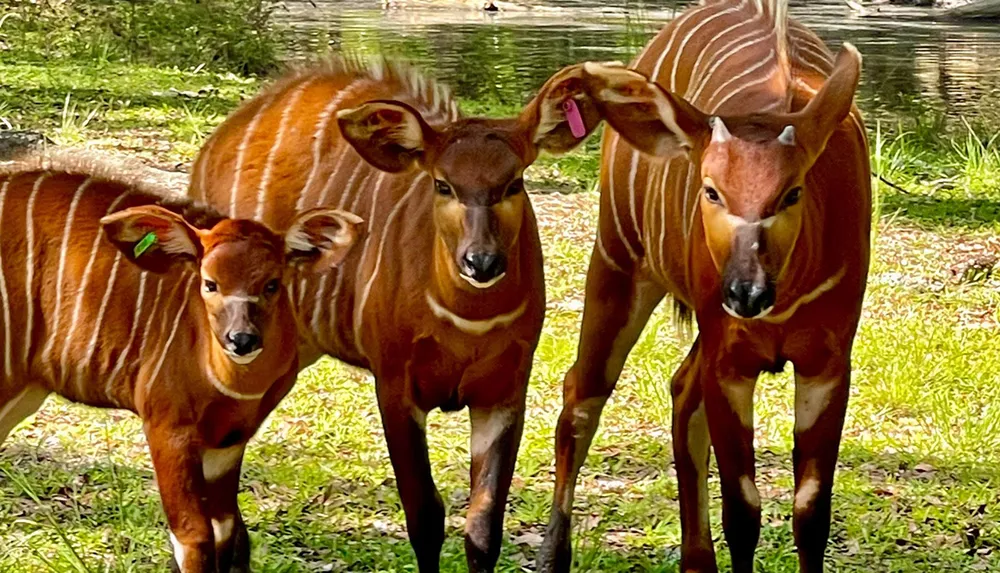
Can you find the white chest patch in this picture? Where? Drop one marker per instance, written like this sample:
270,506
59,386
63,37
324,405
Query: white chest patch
475,327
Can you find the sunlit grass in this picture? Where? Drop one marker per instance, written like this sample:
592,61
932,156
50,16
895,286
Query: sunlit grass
915,492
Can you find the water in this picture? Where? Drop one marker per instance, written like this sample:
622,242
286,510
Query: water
911,66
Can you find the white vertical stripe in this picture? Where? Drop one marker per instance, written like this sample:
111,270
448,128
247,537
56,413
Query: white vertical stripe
332,177
203,168
98,323
324,120
739,89
109,385
721,59
673,35
696,67
152,316
67,228
378,259
694,29
613,198
82,289
3,290
265,179
340,272
604,254
633,166
29,226
186,293
741,75
241,152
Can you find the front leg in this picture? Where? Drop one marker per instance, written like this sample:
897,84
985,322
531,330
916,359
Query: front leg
728,396
177,463
407,441
496,435
616,309
820,408
221,468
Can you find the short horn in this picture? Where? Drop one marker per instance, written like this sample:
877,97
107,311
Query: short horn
720,133
787,136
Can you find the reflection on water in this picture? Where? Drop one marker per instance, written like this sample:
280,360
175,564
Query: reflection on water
910,65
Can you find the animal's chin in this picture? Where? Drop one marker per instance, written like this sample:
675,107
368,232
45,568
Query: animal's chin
244,359
735,314
483,285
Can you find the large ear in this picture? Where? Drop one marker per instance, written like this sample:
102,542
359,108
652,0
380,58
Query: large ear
831,105
153,238
321,238
652,119
563,114
388,134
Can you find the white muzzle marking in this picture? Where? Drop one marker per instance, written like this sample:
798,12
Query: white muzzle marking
246,358
484,285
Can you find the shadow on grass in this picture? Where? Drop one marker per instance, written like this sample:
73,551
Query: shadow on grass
942,212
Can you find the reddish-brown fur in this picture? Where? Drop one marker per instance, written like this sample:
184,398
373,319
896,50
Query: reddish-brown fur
760,229
437,330
102,326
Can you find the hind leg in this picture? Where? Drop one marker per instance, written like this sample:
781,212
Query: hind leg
16,405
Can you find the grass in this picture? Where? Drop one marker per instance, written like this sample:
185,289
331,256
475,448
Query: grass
916,490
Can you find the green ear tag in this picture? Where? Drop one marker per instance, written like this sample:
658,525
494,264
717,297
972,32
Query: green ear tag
142,246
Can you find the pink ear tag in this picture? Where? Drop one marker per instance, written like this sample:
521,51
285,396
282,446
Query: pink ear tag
574,118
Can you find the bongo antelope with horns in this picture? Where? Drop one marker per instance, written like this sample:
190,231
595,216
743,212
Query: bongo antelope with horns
444,301
738,183
118,298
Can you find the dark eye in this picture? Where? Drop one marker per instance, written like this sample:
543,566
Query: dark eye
516,187
713,196
792,197
272,286
443,188
211,286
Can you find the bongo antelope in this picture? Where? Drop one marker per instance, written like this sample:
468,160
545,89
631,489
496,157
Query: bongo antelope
116,297
737,182
444,301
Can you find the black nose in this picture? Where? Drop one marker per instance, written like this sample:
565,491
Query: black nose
243,343
483,266
748,298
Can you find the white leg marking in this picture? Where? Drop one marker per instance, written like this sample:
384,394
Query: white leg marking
186,293
22,405
242,149
749,491
806,494
29,266
265,179
216,463
67,228
180,552
82,290
3,293
109,389
811,399
739,394
98,323
487,427
223,529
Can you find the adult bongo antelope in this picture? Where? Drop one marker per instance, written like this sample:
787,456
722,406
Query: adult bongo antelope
755,215
444,302
116,297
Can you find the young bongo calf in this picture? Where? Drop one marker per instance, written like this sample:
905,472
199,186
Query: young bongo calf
199,341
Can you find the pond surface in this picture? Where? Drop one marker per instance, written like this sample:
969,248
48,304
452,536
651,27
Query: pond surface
911,65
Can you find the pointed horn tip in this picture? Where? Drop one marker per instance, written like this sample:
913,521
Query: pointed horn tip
851,50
